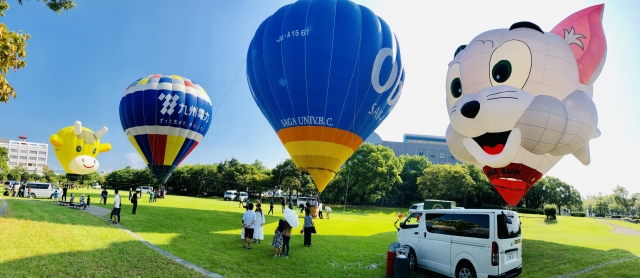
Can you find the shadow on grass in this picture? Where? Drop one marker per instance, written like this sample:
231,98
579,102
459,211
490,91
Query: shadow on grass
550,221
122,259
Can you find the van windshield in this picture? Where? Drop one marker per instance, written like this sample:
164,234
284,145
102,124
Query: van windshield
508,225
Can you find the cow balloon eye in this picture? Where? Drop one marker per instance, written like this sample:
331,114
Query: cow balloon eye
94,150
78,148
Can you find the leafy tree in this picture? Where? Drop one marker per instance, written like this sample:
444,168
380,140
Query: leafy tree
13,45
483,191
536,197
4,159
601,207
622,198
446,182
49,175
412,168
588,203
372,174
18,173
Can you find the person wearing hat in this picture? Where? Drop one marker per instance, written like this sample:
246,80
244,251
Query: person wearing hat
82,202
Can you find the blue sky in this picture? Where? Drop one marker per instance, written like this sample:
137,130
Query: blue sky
80,62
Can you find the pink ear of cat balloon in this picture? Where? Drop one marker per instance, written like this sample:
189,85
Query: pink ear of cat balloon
583,31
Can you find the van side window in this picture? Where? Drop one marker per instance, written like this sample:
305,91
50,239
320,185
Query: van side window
466,225
471,225
413,221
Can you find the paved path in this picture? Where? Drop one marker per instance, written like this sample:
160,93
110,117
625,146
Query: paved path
621,229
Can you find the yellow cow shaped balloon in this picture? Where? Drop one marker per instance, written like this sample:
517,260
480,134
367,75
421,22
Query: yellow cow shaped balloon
77,148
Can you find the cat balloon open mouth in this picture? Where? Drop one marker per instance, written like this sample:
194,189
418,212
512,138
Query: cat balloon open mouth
520,99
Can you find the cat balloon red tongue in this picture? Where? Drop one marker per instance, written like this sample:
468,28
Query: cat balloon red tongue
520,99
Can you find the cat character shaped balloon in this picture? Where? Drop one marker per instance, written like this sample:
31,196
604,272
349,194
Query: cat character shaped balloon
519,99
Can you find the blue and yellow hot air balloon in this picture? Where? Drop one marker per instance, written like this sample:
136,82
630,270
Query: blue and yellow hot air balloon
325,74
165,117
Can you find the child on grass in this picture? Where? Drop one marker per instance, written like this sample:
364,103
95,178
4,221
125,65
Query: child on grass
277,239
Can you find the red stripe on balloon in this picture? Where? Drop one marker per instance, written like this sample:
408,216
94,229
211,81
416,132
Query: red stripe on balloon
158,144
191,149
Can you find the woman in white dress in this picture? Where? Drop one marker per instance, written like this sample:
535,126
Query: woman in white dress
259,229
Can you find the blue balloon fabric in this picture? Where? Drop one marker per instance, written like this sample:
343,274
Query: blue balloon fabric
165,117
324,66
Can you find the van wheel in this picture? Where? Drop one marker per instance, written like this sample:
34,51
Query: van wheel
413,259
33,195
465,270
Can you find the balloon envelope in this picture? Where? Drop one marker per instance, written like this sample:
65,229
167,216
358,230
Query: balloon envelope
324,74
165,117
291,217
520,99
77,149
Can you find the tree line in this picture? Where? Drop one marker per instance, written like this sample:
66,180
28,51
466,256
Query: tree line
372,176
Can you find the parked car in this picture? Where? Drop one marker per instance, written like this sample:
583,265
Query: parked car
230,195
414,207
243,196
97,186
464,243
7,184
42,190
144,189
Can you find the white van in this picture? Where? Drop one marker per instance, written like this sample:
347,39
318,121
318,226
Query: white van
230,195
42,190
464,243
414,207
144,189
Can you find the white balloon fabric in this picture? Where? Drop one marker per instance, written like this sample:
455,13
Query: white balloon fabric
519,99
291,217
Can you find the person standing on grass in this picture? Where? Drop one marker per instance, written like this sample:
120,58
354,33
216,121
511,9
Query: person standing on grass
104,196
308,227
134,201
248,223
88,201
55,196
116,208
258,230
282,201
130,193
286,239
29,192
246,202
151,195
270,207
290,203
277,239
319,209
328,209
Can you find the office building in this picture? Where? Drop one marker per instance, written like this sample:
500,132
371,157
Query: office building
433,147
33,156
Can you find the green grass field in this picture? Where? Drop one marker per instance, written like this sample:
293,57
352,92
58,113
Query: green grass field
206,232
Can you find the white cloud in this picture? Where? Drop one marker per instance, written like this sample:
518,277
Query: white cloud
135,161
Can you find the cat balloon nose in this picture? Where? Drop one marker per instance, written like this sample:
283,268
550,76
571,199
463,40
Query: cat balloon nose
470,109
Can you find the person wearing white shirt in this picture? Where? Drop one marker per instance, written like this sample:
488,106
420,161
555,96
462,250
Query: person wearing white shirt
116,208
258,234
248,223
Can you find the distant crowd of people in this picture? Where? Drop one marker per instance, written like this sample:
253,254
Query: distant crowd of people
253,222
18,190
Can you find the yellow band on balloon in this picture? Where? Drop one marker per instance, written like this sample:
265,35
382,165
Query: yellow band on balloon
320,151
135,145
172,148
